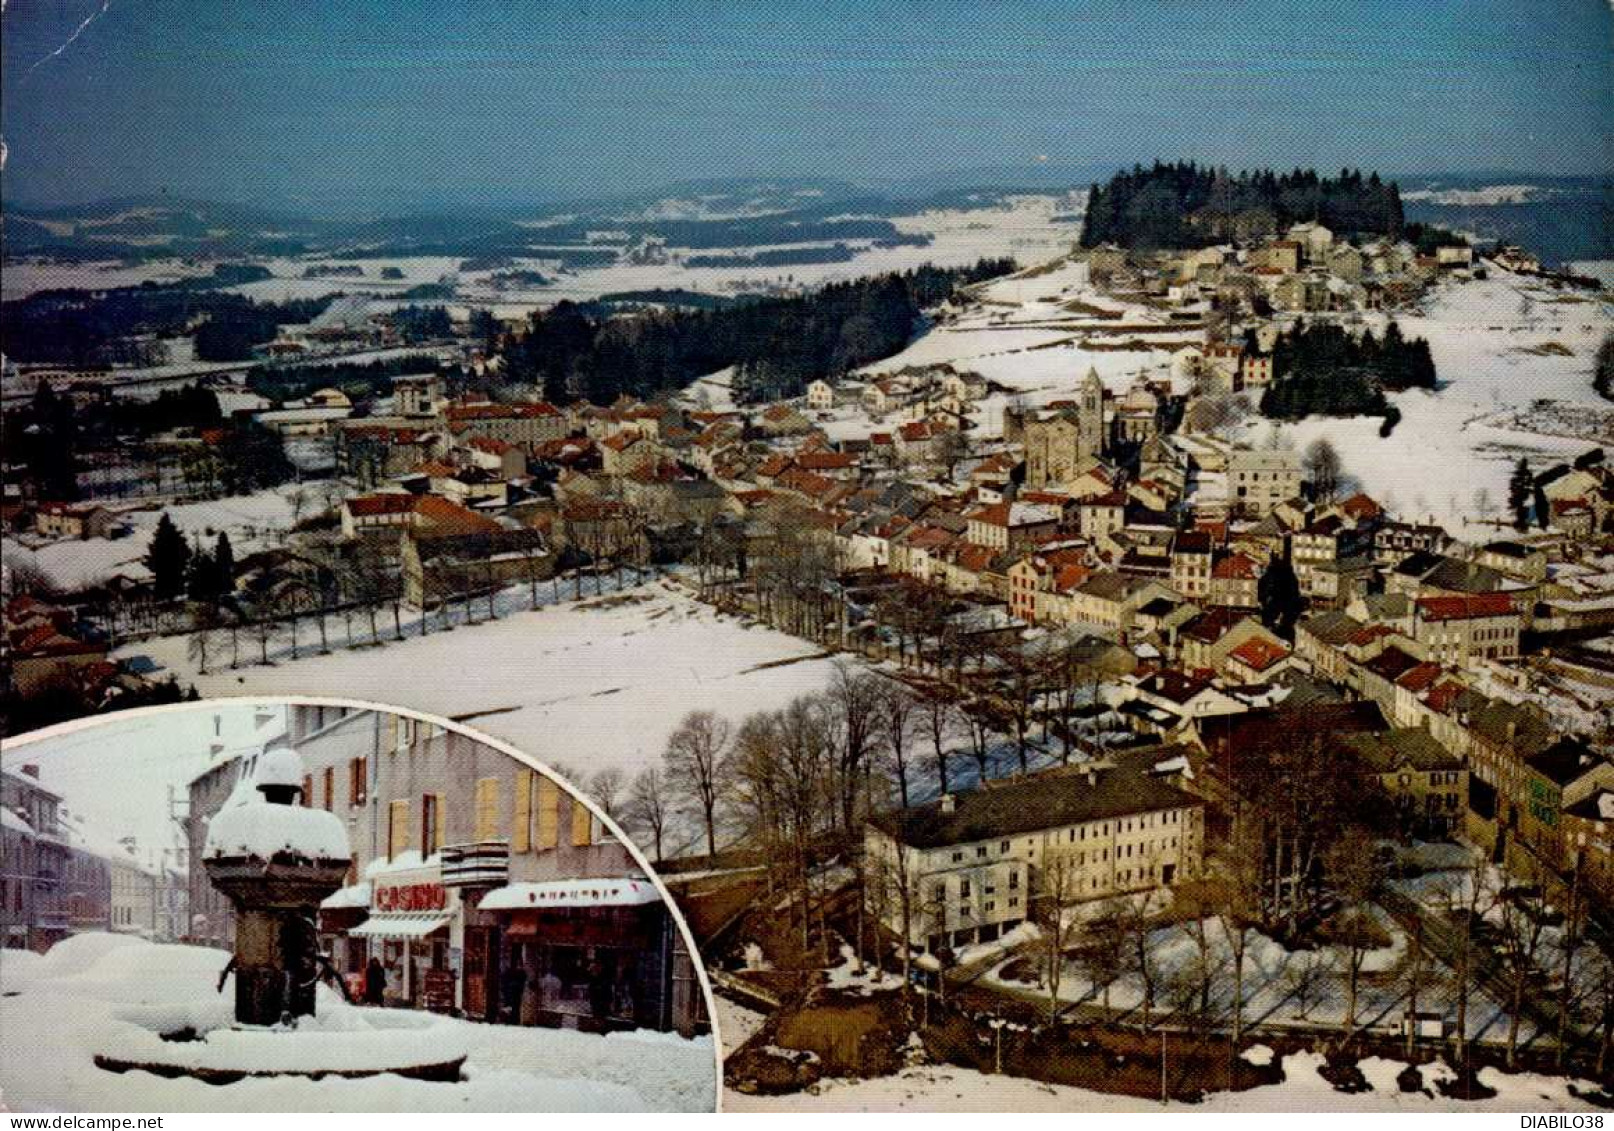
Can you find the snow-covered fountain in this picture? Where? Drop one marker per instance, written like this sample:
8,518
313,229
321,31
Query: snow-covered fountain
275,860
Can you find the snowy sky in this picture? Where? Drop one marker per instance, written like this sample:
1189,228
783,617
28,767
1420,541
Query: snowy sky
116,773
412,101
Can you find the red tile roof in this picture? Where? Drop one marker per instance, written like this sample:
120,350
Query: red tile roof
1467,607
1259,654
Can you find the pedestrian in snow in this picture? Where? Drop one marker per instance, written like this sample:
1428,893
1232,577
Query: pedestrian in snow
375,982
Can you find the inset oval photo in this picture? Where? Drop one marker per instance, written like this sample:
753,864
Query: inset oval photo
243,905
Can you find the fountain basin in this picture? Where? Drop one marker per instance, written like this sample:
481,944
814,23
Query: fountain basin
225,1056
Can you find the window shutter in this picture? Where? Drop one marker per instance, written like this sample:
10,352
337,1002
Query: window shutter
397,828
548,814
582,822
521,822
487,808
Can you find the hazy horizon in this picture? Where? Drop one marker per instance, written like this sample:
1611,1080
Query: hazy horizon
421,105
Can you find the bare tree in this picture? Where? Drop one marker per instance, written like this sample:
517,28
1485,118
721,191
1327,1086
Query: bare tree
897,710
1240,888
1323,468
1357,874
938,717
1524,919
1106,946
694,760
1057,887
649,806
854,701
605,787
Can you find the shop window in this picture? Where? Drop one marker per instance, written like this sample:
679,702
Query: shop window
521,821
487,809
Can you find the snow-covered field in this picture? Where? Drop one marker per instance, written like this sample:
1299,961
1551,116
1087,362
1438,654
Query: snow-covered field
116,994
1514,359
1022,227
945,1088
591,684
1501,347
252,522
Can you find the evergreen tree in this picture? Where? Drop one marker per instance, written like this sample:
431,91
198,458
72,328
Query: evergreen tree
1603,374
224,564
1278,592
1521,492
167,557
201,576
48,444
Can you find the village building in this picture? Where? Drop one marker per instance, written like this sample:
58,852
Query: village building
970,867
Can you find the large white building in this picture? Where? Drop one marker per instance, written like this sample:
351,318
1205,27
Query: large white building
969,867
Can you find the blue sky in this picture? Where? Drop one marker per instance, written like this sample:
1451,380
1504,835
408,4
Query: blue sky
407,102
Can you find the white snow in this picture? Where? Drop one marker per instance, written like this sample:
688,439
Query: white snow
253,522
945,1088
261,830
1508,392
556,683
115,994
865,979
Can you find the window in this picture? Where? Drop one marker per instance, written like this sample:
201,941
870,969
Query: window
330,787
1014,880
308,790
548,813
957,856
397,828
358,781
1004,847
521,819
963,889
941,893
980,851
487,808
431,823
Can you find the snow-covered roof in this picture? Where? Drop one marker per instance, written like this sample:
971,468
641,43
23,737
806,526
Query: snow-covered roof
612,892
15,823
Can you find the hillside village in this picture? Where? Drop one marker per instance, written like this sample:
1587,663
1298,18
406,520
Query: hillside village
1099,650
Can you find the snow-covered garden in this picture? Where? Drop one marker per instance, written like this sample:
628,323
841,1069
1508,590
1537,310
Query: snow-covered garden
120,996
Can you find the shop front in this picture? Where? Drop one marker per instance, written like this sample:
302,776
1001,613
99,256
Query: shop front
408,929
591,954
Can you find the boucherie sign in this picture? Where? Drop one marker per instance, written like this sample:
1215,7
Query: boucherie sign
411,897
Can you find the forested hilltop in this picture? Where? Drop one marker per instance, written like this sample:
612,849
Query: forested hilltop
1190,205
574,352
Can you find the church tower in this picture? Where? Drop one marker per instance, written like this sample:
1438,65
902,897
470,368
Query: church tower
1090,414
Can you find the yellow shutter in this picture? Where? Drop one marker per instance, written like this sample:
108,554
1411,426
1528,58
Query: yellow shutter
398,831
487,808
548,814
521,822
439,819
582,824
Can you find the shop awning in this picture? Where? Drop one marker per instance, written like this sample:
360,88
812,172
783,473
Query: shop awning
399,925
571,893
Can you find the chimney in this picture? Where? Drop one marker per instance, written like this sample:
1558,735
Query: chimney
32,770
947,803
